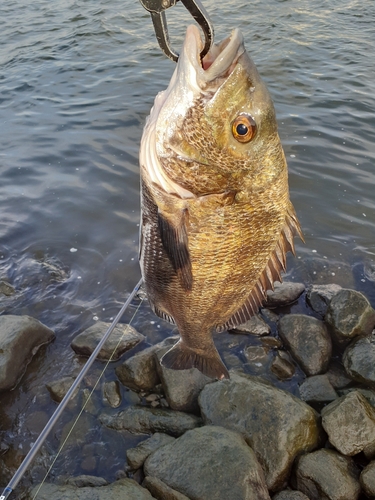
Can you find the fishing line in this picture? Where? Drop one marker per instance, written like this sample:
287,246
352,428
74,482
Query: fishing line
47,429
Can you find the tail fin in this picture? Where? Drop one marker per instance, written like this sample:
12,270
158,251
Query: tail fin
181,357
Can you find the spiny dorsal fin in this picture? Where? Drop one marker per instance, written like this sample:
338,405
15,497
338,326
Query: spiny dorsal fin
174,237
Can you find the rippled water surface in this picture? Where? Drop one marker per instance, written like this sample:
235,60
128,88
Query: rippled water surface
77,80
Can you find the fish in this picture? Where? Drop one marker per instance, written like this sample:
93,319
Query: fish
216,217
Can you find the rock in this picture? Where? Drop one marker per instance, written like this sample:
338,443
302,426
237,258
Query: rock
284,294
350,315
317,389
308,340
123,338
337,375
350,424
290,495
58,388
124,489
277,425
208,461
181,387
271,342
258,356
112,393
282,366
359,360
367,479
84,480
367,393
319,297
160,490
6,289
254,326
136,456
327,474
20,339
149,420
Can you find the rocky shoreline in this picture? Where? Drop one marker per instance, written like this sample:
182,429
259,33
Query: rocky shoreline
243,438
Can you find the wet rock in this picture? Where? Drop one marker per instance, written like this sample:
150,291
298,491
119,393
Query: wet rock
337,375
181,387
359,360
317,389
195,476
269,315
319,297
308,341
290,495
367,479
327,474
149,420
85,480
277,425
136,456
20,339
284,294
257,355
112,393
120,490
282,366
6,289
254,326
58,388
350,424
160,490
350,315
271,342
123,338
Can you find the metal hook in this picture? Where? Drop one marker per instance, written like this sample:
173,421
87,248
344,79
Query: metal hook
157,10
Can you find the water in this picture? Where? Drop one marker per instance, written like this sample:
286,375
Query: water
77,80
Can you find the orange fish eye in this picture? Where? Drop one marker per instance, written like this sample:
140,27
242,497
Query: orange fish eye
244,128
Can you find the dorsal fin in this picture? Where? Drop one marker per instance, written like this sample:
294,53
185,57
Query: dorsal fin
270,274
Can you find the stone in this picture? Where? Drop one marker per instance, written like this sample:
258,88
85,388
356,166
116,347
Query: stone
257,355
282,366
160,490
20,339
319,297
58,388
367,479
284,294
290,495
350,315
139,419
317,389
359,360
123,338
350,424
204,463
112,393
124,489
271,342
85,480
337,375
136,456
327,474
181,387
277,425
6,289
367,393
308,340
254,326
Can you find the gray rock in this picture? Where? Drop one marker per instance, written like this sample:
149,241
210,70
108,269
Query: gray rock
350,315
367,393
359,360
367,479
204,464
277,425
85,480
317,389
290,495
136,456
58,388
160,490
149,420
6,289
20,339
258,356
123,338
308,341
337,375
325,474
254,326
284,294
350,424
112,393
319,297
124,489
282,366
181,387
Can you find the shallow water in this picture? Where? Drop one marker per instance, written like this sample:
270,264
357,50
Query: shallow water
77,80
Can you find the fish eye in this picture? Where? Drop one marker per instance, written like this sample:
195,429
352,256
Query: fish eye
244,128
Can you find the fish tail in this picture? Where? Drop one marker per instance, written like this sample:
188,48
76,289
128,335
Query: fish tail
182,357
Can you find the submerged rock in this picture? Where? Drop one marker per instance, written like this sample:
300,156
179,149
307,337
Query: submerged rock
136,456
308,341
254,326
284,294
58,388
320,296
282,366
277,425
112,393
160,490
213,463
317,389
359,360
6,289
20,339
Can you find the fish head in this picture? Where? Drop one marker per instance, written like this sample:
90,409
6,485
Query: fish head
214,128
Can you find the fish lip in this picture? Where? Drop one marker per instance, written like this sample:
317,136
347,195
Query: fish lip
220,60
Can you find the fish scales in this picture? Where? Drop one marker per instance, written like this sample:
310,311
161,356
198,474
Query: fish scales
216,216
